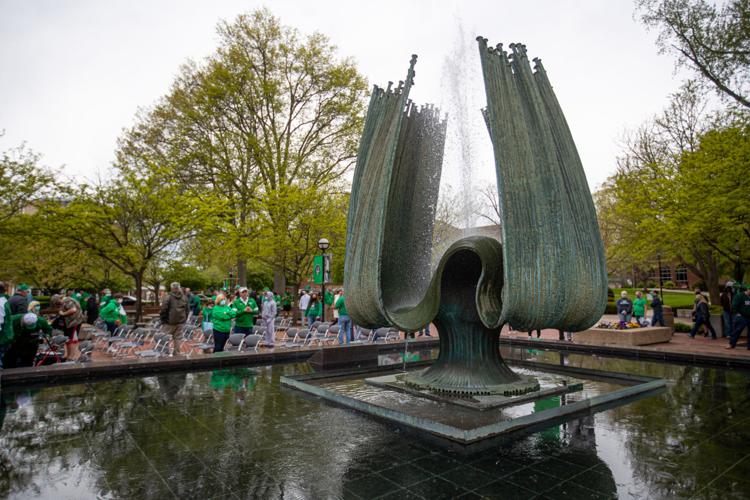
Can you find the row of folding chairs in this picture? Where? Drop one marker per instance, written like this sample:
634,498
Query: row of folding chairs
149,341
322,333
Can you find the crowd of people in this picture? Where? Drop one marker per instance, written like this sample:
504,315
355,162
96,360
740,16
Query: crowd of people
22,325
223,312
735,316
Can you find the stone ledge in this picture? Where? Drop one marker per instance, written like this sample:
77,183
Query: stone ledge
630,337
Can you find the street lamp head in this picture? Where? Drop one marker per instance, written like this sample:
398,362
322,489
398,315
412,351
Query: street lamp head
323,244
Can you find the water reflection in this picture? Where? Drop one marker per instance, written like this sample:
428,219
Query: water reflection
231,433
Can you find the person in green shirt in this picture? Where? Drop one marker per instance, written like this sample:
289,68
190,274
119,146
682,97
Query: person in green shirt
639,308
110,314
221,317
26,327
247,309
314,309
345,322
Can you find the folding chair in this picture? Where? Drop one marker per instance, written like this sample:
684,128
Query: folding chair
361,335
380,334
253,341
298,337
161,344
234,342
321,334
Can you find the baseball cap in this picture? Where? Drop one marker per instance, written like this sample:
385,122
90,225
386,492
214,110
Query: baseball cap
29,319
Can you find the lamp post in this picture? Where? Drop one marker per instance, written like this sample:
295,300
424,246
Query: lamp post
661,292
323,244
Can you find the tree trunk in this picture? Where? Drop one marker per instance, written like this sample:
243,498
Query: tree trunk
279,281
157,288
138,277
241,272
707,268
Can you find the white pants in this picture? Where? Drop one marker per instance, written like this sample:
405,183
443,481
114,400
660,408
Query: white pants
270,336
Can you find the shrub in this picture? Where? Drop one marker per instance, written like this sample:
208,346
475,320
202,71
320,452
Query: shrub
681,327
610,293
668,284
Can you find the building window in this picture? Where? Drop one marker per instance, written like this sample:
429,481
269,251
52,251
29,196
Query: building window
666,273
681,274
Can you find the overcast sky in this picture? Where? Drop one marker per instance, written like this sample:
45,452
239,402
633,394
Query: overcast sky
74,73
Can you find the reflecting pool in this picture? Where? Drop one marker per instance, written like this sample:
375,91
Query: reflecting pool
235,433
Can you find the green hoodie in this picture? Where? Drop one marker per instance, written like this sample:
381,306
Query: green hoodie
245,319
22,332
221,317
314,309
110,312
6,334
341,306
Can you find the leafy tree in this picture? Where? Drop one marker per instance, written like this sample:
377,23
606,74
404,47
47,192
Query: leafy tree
649,206
711,39
24,182
128,223
269,118
714,183
187,275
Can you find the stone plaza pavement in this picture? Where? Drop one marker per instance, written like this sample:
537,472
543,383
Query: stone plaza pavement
681,343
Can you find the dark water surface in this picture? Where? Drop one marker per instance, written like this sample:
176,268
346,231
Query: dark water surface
232,434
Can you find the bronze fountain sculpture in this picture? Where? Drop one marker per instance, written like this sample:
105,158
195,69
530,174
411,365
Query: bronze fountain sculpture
549,271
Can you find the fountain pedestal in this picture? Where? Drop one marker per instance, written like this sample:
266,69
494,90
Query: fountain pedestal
469,361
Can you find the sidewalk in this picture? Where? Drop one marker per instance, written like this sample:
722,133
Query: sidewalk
682,346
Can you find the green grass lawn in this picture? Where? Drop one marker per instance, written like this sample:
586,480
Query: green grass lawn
672,299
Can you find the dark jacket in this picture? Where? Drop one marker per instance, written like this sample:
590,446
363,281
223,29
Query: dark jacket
741,305
656,304
701,310
92,310
18,304
624,306
174,308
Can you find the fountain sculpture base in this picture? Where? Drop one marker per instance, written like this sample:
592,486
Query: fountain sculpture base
469,362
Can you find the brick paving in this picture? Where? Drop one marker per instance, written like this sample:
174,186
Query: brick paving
681,343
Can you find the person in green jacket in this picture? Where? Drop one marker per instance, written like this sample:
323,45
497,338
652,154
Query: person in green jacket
27,328
110,313
221,317
314,309
247,309
6,324
639,308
